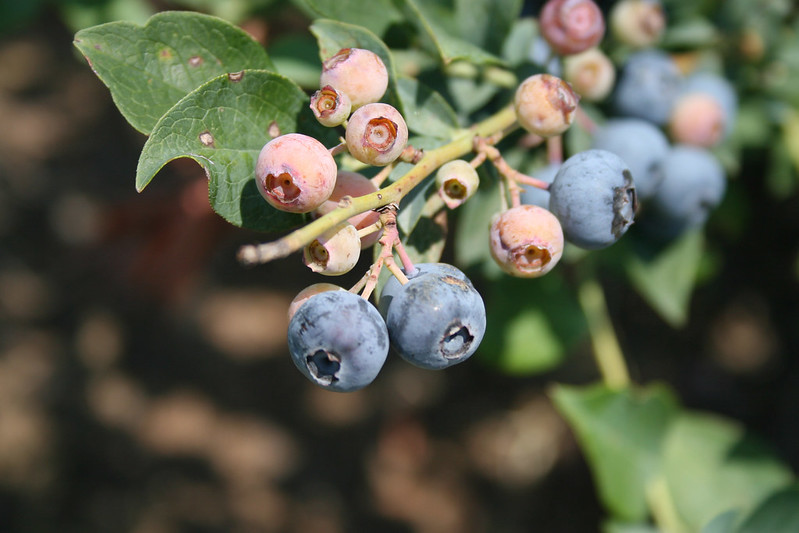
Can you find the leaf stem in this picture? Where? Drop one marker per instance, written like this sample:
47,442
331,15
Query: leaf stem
607,352
462,144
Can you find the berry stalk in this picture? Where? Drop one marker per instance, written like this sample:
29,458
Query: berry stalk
607,352
500,122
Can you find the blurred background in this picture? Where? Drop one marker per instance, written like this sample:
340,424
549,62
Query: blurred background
145,382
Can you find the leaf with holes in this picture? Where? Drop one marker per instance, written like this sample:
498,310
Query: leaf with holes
223,125
149,68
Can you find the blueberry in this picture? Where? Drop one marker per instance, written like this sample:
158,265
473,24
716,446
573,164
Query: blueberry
693,185
593,196
648,86
435,320
534,195
641,145
718,88
338,340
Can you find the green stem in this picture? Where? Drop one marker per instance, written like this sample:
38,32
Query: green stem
607,352
462,144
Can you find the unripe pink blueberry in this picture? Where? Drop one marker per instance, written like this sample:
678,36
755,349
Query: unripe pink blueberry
334,252
545,105
295,173
307,292
457,180
376,134
697,119
358,73
591,74
572,26
526,241
354,184
638,23
330,107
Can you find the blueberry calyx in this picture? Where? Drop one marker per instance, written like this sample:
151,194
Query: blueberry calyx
625,205
324,366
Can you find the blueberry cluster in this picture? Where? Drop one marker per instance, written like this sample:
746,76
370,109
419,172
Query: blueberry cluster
649,162
340,341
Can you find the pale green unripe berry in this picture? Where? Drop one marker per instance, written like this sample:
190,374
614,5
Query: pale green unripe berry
358,73
545,105
638,23
526,241
591,74
330,107
457,181
334,252
376,134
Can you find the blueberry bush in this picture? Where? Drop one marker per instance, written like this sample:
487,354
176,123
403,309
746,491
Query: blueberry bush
500,164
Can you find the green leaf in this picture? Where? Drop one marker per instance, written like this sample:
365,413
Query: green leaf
621,433
426,243
376,15
712,465
426,111
779,513
665,277
531,324
723,523
519,40
485,23
149,68
222,125
692,33
332,36
431,24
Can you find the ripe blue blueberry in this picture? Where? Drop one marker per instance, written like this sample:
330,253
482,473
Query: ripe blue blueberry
648,86
435,320
693,185
535,196
338,340
641,145
593,196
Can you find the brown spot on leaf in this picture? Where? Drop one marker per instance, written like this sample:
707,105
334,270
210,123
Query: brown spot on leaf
236,77
195,61
207,139
274,129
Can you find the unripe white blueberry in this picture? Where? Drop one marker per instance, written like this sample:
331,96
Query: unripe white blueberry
307,292
591,74
358,73
334,252
526,241
295,173
354,185
545,105
376,134
457,181
330,107
639,23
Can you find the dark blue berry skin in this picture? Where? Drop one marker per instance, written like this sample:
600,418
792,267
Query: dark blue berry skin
437,319
648,86
338,340
593,196
641,145
693,184
535,196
